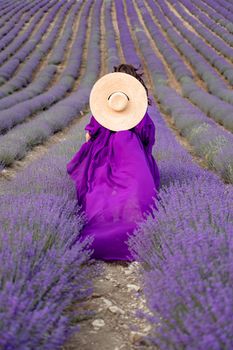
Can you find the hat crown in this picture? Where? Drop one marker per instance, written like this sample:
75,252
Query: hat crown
118,101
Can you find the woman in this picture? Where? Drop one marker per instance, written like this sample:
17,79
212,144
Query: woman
116,178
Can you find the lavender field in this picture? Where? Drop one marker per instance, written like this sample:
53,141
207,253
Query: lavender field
51,54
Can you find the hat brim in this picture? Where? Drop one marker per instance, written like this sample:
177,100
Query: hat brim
135,109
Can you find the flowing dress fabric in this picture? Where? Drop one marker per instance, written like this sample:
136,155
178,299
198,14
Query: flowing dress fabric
116,178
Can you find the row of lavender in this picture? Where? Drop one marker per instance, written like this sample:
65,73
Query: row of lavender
218,10
41,276
18,113
209,141
205,17
210,36
226,4
185,250
213,106
8,68
38,86
186,246
16,143
218,89
214,30
11,14
221,9
23,78
219,15
5,7
15,25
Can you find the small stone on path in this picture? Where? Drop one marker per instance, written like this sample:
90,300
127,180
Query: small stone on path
98,323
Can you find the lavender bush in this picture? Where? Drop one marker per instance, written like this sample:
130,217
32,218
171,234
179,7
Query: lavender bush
186,250
189,220
40,276
39,219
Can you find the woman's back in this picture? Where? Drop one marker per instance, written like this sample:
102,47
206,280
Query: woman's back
116,179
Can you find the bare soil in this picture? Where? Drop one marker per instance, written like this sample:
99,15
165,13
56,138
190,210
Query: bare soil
114,326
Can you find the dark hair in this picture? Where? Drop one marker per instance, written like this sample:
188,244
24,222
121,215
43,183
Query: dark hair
130,69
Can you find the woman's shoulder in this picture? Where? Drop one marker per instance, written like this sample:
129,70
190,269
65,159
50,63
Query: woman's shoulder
94,125
145,121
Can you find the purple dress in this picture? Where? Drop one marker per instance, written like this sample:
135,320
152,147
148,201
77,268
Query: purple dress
116,177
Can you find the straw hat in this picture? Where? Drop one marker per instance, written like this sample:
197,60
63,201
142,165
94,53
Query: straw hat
118,101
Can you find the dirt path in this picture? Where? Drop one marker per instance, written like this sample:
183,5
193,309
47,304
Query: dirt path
114,326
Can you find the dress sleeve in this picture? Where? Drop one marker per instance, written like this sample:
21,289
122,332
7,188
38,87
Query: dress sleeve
93,127
145,129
